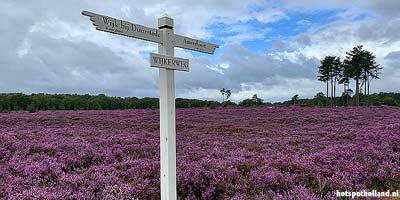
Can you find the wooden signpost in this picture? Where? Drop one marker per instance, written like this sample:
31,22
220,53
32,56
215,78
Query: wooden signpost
167,63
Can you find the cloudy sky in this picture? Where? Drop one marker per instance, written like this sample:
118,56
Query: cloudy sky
268,48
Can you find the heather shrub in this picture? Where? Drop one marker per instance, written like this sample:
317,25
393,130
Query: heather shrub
231,153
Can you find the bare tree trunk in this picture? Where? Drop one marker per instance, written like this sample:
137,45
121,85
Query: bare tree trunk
347,99
334,93
357,91
365,83
331,92
367,89
344,92
344,87
327,92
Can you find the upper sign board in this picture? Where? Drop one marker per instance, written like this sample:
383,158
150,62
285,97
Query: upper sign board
169,62
193,44
117,26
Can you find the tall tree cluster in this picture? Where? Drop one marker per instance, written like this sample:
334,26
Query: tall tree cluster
225,93
330,72
359,65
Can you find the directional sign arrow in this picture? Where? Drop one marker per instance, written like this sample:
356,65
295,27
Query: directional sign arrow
121,27
117,26
193,44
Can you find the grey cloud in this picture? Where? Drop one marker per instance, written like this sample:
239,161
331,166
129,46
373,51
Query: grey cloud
53,63
303,39
57,65
255,67
200,75
246,67
384,8
278,46
387,7
394,55
386,30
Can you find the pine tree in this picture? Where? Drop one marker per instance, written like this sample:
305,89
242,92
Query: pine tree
360,65
325,71
223,94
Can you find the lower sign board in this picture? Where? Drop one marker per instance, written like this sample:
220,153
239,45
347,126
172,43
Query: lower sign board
169,62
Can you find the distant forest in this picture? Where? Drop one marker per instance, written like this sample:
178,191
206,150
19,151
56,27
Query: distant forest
376,99
36,102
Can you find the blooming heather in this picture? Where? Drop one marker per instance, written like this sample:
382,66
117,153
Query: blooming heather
225,153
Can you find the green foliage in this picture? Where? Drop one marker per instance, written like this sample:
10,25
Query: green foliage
252,147
226,93
379,185
213,106
319,99
295,99
330,70
228,103
376,99
35,102
360,65
344,99
296,116
254,101
193,103
31,108
390,101
245,168
324,70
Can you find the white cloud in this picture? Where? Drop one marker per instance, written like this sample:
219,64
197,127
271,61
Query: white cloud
215,68
271,93
224,65
241,33
24,48
201,93
270,15
304,22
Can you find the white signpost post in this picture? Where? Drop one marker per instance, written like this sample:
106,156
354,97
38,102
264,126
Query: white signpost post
167,63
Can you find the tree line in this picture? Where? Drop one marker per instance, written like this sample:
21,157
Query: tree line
359,65
376,99
35,102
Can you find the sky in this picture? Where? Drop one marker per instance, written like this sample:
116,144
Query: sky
269,48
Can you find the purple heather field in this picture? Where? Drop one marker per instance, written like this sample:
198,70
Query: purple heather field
223,153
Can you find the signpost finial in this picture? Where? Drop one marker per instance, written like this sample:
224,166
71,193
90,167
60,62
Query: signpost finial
165,22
